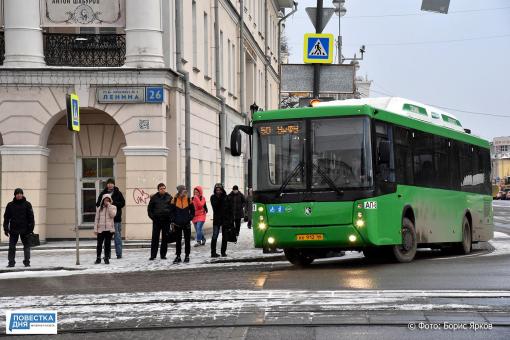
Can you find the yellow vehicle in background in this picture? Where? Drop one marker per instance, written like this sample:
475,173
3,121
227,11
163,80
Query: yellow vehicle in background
495,191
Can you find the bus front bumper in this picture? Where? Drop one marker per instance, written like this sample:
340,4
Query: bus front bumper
340,236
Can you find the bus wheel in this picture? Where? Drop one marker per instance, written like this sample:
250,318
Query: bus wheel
464,247
406,251
298,257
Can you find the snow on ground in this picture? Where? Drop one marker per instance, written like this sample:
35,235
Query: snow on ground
78,311
62,262
501,244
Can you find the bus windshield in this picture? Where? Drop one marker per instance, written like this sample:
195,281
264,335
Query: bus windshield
337,156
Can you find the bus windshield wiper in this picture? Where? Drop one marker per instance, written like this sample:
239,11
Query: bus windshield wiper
328,180
290,177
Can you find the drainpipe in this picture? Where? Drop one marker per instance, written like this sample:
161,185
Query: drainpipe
267,58
184,75
242,98
241,62
218,87
280,46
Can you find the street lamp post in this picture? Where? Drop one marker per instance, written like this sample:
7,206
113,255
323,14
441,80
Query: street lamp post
340,11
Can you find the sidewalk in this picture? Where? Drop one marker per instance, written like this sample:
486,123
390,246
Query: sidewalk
91,243
59,258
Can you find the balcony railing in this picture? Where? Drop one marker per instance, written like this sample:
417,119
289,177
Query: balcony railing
85,50
2,48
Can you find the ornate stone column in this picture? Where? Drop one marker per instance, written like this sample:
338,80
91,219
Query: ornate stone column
23,34
144,34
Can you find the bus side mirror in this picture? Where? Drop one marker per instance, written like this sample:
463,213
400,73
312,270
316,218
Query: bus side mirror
235,142
384,152
236,139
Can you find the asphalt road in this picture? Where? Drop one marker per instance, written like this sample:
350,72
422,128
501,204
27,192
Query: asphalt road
431,273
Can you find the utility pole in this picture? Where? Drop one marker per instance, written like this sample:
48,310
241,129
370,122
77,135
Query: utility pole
317,67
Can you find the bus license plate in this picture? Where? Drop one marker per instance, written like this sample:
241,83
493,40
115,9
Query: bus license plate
310,237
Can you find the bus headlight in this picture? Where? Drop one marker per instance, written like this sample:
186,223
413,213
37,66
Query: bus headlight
360,223
262,226
261,218
352,238
260,209
271,240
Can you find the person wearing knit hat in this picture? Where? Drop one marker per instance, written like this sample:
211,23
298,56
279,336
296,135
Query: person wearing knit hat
119,202
182,212
222,219
238,204
18,223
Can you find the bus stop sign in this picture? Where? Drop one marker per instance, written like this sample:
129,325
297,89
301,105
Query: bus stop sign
73,112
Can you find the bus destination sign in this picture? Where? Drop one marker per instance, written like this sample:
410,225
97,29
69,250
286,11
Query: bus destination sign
291,129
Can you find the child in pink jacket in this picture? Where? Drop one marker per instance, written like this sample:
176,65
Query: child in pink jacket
104,227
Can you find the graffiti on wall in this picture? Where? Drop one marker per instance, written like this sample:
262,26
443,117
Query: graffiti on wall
140,196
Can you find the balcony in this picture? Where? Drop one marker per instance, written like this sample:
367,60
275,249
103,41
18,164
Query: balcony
2,48
84,50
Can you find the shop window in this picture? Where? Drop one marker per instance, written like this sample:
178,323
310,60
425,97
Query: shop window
94,174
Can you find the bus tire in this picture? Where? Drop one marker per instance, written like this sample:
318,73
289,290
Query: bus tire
464,247
406,251
298,257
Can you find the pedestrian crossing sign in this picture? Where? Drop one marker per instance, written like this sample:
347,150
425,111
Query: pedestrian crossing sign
318,48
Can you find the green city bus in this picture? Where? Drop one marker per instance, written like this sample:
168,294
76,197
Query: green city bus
380,175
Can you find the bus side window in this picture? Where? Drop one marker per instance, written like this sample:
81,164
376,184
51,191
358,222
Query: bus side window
455,165
423,158
466,174
486,160
403,158
384,170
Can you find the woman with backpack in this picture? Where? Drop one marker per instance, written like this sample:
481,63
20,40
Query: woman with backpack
200,206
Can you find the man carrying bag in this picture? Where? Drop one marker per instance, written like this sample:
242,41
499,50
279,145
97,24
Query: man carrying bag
18,223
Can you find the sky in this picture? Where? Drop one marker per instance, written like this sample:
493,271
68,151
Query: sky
458,61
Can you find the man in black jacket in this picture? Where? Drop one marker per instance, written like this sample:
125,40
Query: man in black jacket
222,218
238,205
18,222
118,201
159,213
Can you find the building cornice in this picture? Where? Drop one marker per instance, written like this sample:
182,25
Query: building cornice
70,76
145,151
24,150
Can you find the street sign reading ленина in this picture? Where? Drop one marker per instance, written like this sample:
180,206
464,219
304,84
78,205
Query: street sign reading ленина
73,112
318,48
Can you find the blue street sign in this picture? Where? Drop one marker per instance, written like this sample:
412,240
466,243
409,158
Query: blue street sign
154,94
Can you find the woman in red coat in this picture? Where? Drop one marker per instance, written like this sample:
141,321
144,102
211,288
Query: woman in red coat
200,214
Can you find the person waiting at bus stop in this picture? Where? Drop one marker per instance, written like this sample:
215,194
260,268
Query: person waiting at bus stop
118,201
238,204
104,227
182,212
222,219
18,223
159,212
